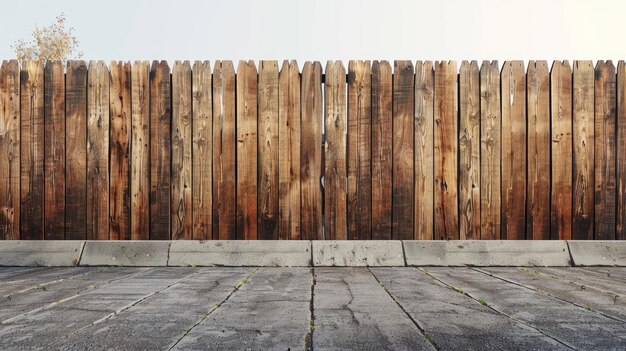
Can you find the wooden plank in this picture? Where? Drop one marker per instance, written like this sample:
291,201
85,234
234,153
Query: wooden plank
445,141
310,151
289,151
247,155
403,153
620,233
160,138
605,152
490,147
561,182
76,151
202,155
140,147
359,150
54,151
120,110
181,220
335,152
538,202
98,129
424,205
268,150
10,150
469,151
513,80
32,150
224,151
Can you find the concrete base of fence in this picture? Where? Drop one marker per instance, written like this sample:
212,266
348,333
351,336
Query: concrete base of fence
125,253
357,253
40,253
486,253
235,253
598,253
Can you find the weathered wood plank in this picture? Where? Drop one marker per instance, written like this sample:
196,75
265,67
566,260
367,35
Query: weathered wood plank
446,146
335,152
469,151
289,151
561,189
424,205
160,139
382,147
359,150
513,80
620,233
140,147
10,150
32,150
181,213
76,151
310,151
605,152
268,150
403,152
120,110
202,131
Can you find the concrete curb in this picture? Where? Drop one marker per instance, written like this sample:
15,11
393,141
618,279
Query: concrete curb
125,253
40,253
330,253
597,253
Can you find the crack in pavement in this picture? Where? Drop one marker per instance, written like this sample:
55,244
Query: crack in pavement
308,337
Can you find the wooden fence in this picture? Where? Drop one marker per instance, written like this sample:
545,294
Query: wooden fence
424,151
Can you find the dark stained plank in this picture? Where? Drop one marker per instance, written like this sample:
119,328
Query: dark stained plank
160,139
382,146
446,147
224,151
10,150
359,150
181,220
98,129
490,148
202,154
310,151
335,152
268,150
424,205
620,233
561,189
403,153
538,107
54,151
605,152
247,155
76,151
32,150
120,110
469,151
513,80
289,151
140,148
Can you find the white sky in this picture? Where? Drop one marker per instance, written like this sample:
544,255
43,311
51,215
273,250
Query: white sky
322,30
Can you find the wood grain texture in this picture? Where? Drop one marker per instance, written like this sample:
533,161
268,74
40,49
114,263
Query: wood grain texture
289,151
160,139
446,148
10,150
76,151
310,151
32,150
335,195
605,151
403,151
224,151
140,148
538,107
513,80
561,183
268,150
181,211
54,151
469,151
490,148
620,233
424,205
202,153
359,151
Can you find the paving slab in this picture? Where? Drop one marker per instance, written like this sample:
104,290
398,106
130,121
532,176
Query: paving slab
237,253
40,253
598,253
29,279
13,272
583,278
354,253
125,253
486,253
353,312
615,273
